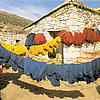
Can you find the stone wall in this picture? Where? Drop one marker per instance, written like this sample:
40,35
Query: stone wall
72,19
11,38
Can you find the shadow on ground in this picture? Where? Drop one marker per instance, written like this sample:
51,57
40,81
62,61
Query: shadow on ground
6,77
50,93
98,89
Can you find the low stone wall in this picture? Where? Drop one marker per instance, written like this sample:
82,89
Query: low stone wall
73,52
11,38
87,57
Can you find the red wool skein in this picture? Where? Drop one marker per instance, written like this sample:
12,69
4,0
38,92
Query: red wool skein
96,36
81,38
78,38
40,39
62,35
88,35
66,37
69,39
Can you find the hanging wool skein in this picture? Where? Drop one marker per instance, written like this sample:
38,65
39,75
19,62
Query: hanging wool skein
78,38
81,38
46,47
62,35
34,50
96,36
30,40
49,46
69,39
88,35
9,47
18,49
40,39
66,37
36,41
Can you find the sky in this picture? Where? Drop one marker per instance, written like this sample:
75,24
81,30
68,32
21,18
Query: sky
34,9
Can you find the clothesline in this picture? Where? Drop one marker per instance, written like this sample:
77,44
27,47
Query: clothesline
64,37
44,48
88,72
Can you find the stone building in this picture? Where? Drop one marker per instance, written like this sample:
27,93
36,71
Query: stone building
72,16
10,37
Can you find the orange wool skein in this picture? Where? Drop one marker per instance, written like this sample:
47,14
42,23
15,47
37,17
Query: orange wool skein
62,35
40,39
90,35
81,38
36,39
76,39
69,39
96,35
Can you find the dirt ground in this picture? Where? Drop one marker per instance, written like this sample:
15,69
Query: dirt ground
18,86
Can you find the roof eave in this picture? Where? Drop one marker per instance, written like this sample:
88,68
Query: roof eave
60,6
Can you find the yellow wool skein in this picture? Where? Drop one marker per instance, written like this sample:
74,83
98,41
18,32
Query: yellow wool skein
49,47
40,49
44,48
3,44
50,50
15,49
30,49
50,44
9,47
55,44
34,50
44,52
23,49
19,49
58,39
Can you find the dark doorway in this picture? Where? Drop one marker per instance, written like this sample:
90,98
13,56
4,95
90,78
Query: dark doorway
57,51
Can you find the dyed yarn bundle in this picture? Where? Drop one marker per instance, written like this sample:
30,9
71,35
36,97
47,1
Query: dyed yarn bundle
88,35
96,35
91,36
30,40
40,39
78,38
66,37
44,48
17,49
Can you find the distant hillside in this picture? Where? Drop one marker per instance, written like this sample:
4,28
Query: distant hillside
14,23
12,19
